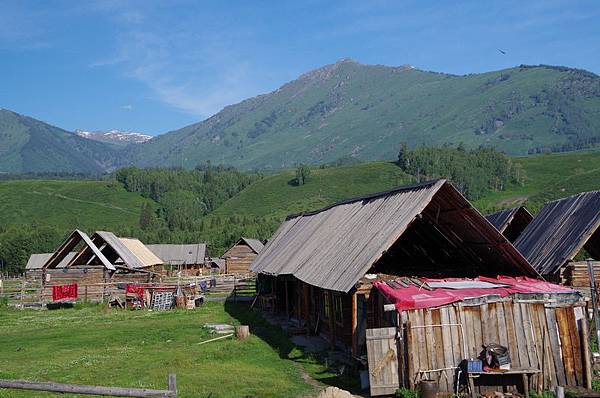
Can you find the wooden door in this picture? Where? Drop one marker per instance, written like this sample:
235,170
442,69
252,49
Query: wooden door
382,354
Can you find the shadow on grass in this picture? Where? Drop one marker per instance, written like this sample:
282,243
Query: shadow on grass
315,365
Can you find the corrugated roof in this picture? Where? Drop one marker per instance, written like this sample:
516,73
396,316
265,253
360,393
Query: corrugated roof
143,253
561,229
334,247
37,261
180,254
219,262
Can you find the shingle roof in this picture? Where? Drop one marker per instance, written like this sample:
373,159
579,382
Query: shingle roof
561,229
180,254
334,247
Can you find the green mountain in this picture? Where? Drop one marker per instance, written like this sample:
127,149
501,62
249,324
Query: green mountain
365,111
29,145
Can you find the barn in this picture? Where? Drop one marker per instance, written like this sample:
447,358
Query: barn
35,264
511,222
329,270
239,256
187,259
564,234
99,260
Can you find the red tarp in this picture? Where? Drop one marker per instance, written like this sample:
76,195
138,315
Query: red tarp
64,292
413,297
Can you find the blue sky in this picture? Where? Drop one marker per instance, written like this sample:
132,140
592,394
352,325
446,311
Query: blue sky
154,66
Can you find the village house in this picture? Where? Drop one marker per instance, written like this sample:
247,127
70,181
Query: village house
34,268
100,259
562,236
511,222
366,269
240,256
186,259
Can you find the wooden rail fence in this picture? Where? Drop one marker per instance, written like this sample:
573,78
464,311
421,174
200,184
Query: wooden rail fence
31,293
94,390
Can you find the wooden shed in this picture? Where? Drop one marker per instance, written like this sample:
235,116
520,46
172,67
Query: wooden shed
319,267
187,259
564,234
511,222
98,260
240,256
34,268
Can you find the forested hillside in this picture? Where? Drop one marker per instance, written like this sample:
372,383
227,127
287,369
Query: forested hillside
217,205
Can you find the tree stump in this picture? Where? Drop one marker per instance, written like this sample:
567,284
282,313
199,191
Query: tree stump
242,332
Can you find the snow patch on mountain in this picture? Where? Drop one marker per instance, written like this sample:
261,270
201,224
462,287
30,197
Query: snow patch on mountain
115,136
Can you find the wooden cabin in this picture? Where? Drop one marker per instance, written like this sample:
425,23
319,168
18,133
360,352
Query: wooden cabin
240,256
188,259
320,267
34,268
99,264
511,222
562,236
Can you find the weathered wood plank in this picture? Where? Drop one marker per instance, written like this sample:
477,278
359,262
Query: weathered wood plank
556,348
565,338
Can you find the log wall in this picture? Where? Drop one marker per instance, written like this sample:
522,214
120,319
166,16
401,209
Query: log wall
238,259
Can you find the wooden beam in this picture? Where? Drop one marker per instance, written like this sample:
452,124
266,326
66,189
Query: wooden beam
92,390
354,324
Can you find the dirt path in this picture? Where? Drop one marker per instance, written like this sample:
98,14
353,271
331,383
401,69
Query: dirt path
57,195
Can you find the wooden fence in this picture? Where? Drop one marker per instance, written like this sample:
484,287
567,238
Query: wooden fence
31,293
539,336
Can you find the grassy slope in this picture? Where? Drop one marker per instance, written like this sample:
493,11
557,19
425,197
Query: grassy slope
68,204
139,349
549,177
276,196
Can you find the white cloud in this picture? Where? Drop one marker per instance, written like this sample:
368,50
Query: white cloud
127,107
185,66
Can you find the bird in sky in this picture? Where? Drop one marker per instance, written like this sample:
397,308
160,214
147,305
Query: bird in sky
502,52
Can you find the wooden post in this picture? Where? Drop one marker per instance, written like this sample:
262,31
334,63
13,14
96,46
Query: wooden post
22,292
287,300
242,332
172,382
590,264
354,324
585,347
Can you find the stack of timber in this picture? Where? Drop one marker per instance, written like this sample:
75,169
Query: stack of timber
576,275
539,334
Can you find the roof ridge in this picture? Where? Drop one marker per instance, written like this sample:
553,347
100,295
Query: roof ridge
376,195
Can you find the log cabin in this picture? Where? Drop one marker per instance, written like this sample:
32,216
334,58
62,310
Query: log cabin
99,260
239,256
186,259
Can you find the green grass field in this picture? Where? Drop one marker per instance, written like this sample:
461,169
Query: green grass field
138,349
549,177
69,204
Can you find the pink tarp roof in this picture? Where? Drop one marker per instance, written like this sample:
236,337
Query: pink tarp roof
458,289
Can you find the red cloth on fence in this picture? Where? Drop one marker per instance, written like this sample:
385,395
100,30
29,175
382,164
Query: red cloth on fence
64,292
413,297
135,289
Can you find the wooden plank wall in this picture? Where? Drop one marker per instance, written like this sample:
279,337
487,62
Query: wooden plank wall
238,259
538,337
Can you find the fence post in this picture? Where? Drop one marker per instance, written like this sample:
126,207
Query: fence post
173,383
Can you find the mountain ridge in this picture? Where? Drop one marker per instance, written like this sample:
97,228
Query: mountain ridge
348,109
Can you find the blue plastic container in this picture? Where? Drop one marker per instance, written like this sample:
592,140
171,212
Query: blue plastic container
474,365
